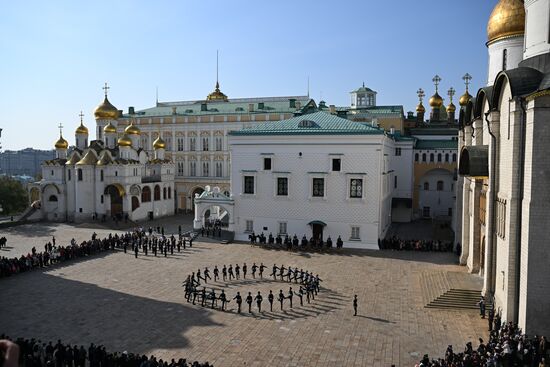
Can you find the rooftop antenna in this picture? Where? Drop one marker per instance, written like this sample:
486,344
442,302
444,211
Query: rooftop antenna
308,86
157,96
217,66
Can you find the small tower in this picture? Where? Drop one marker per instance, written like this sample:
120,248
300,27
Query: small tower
104,114
124,146
436,101
537,25
466,97
81,134
217,95
363,97
159,145
420,109
451,108
61,145
133,132
109,135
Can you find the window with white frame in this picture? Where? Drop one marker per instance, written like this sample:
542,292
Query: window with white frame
249,225
192,143
219,169
180,168
218,143
356,188
205,144
192,169
267,164
355,233
180,144
282,186
249,184
282,228
318,187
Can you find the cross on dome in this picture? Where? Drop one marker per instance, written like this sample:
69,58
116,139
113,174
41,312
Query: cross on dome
105,89
421,94
467,79
436,79
451,93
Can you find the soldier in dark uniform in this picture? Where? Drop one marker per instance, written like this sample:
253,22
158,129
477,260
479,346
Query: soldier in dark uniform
274,273
213,297
155,248
281,298
249,301
223,298
230,271
135,249
355,305
224,273
259,300
203,296
239,300
270,299
300,295
281,272
254,268
237,271
145,248
329,242
165,250
289,274
262,267
244,270
290,295
216,273
206,275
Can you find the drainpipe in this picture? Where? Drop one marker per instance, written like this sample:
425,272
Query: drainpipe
520,203
491,241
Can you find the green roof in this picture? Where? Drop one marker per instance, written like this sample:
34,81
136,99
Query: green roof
436,144
232,106
373,110
318,123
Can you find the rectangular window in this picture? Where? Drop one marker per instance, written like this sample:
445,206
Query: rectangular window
218,143
180,168
267,164
282,228
249,226
356,188
426,212
192,144
398,151
180,144
218,169
101,175
282,186
318,189
79,173
355,234
336,164
205,144
101,199
395,182
192,169
249,184
205,169
69,172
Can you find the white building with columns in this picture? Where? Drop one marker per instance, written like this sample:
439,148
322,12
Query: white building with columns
505,167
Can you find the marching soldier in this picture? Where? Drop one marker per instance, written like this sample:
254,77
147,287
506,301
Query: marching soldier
259,300
281,298
249,301
262,267
300,295
238,271
213,297
274,273
223,298
355,305
230,271
216,273
244,271
254,268
239,300
224,273
206,275
290,295
203,296
270,299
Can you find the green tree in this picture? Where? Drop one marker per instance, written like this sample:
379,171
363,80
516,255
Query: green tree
13,196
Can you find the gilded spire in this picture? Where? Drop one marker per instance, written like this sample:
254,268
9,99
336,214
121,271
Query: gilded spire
420,108
451,107
466,97
81,129
436,101
217,95
61,143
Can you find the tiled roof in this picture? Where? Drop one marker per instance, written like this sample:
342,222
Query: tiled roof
436,144
318,123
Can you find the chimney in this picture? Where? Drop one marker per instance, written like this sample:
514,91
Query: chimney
332,109
298,105
131,110
204,107
251,107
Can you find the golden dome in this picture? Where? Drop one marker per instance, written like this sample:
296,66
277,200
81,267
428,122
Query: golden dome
106,111
217,95
451,107
109,129
81,129
132,129
420,108
436,100
124,141
464,99
507,19
61,143
159,143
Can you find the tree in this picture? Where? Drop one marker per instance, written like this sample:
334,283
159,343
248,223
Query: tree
13,196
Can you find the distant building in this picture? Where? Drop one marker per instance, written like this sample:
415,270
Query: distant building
23,162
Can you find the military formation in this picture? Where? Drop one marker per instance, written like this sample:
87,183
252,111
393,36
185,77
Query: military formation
306,286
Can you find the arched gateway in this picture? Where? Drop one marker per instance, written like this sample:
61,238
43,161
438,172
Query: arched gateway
213,198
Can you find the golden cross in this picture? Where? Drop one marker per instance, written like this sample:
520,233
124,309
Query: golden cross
421,94
467,79
436,81
81,116
451,93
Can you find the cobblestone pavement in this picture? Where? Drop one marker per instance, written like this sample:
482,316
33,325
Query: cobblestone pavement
137,305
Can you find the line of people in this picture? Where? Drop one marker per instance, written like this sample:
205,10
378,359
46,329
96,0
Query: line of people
294,243
309,286
35,353
396,243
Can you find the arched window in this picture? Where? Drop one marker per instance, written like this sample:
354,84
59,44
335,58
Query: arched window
157,193
454,157
135,203
439,185
52,198
145,194
439,157
423,157
169,193
426,186
416,157
446,157
164,193
431,157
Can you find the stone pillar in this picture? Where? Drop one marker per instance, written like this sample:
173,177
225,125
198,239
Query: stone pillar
466,206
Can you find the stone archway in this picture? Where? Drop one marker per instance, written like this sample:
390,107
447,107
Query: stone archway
196,191
116,193
213,198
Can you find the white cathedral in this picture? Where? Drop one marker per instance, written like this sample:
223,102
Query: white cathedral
504,167
105,178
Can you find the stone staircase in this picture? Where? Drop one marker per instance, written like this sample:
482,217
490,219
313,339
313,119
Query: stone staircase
458,299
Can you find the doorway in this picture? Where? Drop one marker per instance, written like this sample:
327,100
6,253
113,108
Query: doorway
317,230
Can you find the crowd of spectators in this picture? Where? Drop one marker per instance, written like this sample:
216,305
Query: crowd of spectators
294,243
507,347
35,353
396,243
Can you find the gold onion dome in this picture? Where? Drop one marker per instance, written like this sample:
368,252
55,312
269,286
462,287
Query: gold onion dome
420,108
109,128
464,99
436,100
61,143
506,20
159,143
451,107
217,95
81,129
124,141
132,129
106,111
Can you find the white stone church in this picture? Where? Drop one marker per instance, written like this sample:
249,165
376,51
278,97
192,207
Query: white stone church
504,188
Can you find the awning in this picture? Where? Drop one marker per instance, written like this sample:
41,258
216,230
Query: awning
317,222
474,161
401,202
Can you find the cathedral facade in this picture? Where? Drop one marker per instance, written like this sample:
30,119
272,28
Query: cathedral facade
505,167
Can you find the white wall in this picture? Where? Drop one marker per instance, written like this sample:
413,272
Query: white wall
514,55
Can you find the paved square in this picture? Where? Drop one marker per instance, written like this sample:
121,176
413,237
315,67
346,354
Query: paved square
138,305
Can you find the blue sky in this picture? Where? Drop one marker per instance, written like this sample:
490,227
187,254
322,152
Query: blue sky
56,55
